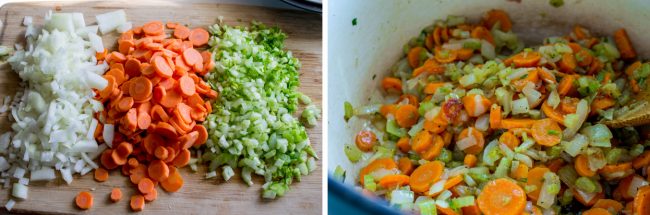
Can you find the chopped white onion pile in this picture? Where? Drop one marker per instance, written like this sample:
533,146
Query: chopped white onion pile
53,127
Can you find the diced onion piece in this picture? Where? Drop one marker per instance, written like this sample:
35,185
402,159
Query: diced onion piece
108,134
437,187
553,99
61,22
66,174
27,20
637,182
533,96
520,106
487,50
45,173
466,142
96,81
482,122
78,20
19,191
124,27
582,112
110,21
549,190
96,42
10,204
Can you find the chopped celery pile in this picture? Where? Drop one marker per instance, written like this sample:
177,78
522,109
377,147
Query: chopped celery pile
252,125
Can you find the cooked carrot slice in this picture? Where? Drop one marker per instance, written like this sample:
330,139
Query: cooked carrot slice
390,83
596,211
405,165
406,115
581,165
609,204
414,56
642,200
470,160
366,140
475,104
546,132
394,181
502,196
601,103
481,32
84,200
567,63
425,175
404,145
641,160
509,139
624,44
495,16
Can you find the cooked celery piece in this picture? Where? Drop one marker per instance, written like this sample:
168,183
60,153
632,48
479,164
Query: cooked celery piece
614,155
369,182
636,150
252,125
457,203
427,207
353,153
339,173
586,184
550,189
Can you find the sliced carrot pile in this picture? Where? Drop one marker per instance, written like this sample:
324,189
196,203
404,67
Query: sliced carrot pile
156,98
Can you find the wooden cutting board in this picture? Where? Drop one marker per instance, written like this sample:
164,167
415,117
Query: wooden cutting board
199,195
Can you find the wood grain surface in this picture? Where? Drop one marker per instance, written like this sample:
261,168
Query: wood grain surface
199,195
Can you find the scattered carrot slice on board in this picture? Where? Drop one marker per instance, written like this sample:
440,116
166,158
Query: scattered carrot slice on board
84,200
174,182
116,194
137,202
